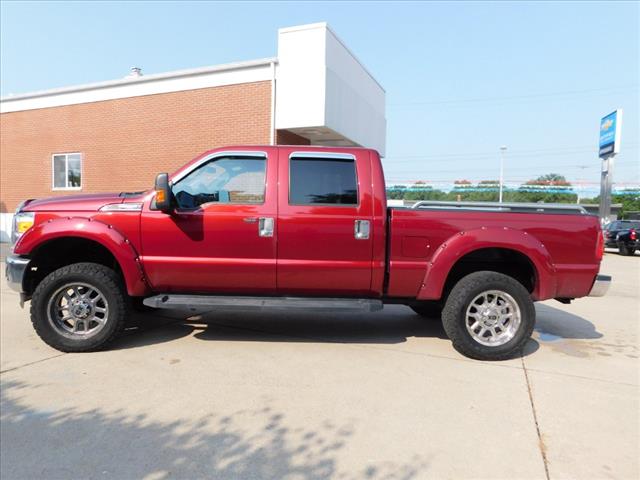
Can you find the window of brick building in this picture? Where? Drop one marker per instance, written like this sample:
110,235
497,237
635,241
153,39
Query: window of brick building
67,171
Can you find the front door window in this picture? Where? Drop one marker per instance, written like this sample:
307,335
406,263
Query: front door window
238,180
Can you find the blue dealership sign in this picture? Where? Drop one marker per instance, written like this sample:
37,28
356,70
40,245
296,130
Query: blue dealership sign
610,134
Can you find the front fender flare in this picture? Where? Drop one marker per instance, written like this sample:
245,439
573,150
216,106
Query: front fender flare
457,246
97,231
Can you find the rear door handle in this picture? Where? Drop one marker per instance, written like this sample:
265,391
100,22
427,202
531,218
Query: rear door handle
265,226
361,229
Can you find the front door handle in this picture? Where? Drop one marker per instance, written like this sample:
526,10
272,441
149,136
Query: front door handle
265,226
361,230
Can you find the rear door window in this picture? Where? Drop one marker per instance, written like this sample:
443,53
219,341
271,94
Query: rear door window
322,181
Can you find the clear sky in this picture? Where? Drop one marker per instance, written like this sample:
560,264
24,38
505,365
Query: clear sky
461,78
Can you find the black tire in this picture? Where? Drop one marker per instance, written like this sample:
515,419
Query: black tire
105,281
428,309
454,315
624,250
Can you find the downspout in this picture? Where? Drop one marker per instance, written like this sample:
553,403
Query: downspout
272,138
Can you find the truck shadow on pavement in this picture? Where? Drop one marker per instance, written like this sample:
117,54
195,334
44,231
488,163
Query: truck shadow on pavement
553,323
391,326
394,325
569,334
71,441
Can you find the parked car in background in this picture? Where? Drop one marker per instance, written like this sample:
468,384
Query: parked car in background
623,235
628,241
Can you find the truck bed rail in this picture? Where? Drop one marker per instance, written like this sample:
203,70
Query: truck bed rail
549,208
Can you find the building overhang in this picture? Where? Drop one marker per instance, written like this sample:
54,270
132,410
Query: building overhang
322,135
322,91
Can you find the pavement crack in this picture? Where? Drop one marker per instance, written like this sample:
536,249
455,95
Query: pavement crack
31,363
541,444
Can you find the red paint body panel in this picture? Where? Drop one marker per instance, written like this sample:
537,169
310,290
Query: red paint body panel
452,234
73,203
217,249
317,251
209,250
108,235
379,225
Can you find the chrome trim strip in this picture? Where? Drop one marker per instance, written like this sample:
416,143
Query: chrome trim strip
600,286
228,153
171,300
328,155
122,207
501,207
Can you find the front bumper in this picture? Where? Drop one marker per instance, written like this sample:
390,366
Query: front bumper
600,286
16,266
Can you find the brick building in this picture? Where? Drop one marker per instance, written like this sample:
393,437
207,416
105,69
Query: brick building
116,135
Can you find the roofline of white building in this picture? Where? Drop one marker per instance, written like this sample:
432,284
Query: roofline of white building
175,81
189,72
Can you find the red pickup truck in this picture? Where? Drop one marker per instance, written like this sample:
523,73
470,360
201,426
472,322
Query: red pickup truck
291,226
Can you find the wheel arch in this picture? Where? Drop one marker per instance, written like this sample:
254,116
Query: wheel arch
490,249
60,242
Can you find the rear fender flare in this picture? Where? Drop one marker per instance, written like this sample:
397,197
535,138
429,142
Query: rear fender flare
457,246
97,231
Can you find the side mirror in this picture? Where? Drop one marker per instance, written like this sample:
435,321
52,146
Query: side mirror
163,193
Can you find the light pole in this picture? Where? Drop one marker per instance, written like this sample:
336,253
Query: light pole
503,149
580,182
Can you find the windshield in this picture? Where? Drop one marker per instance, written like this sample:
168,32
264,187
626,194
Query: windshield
624,225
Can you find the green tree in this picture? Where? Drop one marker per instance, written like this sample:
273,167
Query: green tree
552,179
549,188
629,198
396,192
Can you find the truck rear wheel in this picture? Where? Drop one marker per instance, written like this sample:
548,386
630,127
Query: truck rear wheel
79,308
488,316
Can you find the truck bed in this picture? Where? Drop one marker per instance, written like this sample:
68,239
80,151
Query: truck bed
432,235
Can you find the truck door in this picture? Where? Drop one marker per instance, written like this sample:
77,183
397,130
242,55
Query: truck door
221,237
324,222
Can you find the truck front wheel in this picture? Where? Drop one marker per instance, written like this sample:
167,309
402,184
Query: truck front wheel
488,316
79,308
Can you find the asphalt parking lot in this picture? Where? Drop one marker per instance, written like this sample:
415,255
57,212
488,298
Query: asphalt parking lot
285,395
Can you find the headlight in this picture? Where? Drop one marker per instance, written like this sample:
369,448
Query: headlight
22,221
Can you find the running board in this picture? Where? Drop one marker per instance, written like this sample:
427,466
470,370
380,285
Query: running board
257,303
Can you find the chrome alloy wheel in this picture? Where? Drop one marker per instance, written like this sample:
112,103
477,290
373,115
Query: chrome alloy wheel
78,310
493,318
